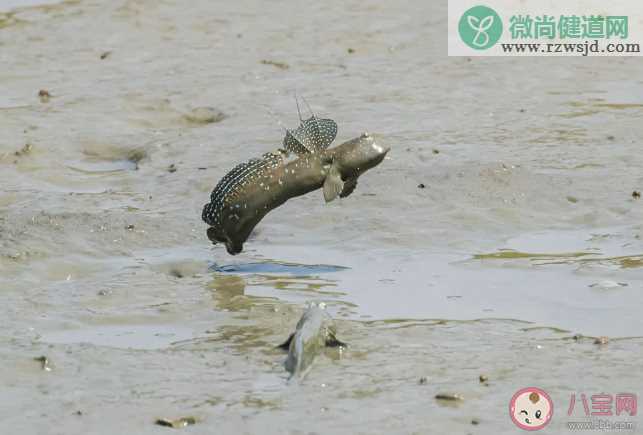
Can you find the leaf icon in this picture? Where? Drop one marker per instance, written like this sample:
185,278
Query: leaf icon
486,23
473,22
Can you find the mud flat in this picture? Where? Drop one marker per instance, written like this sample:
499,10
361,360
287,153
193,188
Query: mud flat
500,239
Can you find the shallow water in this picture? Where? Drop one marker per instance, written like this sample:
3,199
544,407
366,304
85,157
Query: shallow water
522,247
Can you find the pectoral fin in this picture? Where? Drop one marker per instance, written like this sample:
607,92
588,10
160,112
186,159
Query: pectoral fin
332,341
333,185
349,186
286,344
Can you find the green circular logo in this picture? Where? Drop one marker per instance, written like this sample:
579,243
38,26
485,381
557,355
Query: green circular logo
480,27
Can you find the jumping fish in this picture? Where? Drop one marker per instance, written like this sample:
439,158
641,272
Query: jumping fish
314,332
250,190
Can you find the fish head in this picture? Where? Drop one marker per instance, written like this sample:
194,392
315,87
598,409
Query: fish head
359,155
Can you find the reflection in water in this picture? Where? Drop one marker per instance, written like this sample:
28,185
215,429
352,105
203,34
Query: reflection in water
278,267
229,293
308,284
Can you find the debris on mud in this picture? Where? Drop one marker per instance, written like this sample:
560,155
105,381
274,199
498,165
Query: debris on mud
423,380
483,379
24,150
636,194
608,285
176,423
449,397
280,65
204,115
105,55
44,363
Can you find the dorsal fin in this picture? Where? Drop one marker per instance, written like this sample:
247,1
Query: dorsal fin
313,134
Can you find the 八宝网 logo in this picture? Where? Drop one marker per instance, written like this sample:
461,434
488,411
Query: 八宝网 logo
480,27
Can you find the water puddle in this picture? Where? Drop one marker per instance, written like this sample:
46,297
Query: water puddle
614,249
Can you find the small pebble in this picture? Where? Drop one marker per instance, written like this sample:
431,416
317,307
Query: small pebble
172,168
475,422
483,378
602,340
436,151
44,95
421,186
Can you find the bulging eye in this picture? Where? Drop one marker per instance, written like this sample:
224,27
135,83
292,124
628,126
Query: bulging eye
538,414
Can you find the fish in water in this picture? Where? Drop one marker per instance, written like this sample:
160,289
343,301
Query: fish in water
314,332
252,189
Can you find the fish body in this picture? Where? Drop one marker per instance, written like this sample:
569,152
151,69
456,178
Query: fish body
254,188
314,332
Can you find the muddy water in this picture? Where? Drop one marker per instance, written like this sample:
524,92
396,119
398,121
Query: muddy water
523,245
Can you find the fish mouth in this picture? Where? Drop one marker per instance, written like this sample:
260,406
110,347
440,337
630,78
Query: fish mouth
233,248
381,149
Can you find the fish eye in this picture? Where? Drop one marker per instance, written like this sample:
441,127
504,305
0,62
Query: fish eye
525,412
538,414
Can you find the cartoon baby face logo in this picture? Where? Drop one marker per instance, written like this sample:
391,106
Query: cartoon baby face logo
531,408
